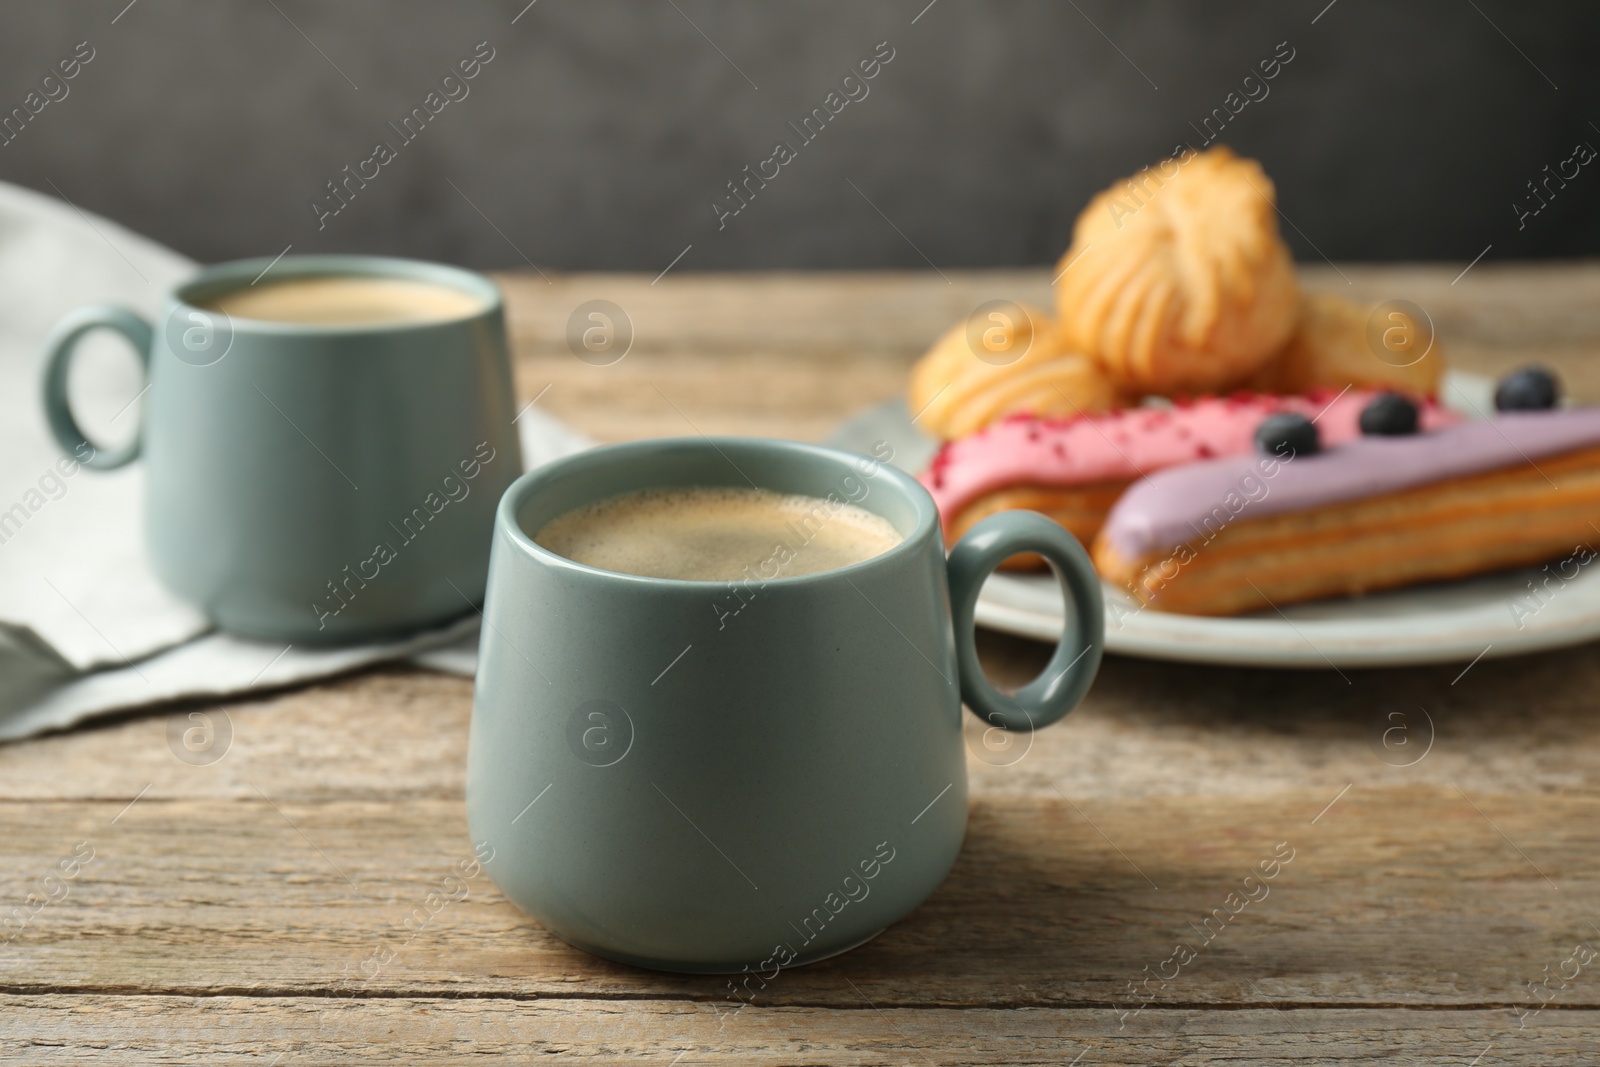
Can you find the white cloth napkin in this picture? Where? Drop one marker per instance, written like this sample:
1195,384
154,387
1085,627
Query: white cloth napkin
85,627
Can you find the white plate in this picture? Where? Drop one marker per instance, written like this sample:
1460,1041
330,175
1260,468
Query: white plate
1435,623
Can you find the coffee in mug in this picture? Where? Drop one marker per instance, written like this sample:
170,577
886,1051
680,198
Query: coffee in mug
718,534
346,300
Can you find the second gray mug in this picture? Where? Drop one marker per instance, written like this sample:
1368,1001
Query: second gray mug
313,483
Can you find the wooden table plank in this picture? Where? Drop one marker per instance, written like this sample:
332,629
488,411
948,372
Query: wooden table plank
270,1030
1395,897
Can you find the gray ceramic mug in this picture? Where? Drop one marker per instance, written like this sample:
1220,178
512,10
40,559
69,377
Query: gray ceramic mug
311,483
701,777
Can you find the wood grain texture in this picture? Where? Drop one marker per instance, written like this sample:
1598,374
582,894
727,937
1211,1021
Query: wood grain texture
1392,898
276,1030
231,912
260,1031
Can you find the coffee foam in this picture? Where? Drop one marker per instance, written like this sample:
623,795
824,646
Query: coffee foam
712,534
346,300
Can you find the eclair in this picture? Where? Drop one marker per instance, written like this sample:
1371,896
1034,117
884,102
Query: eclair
1258,530
1074,470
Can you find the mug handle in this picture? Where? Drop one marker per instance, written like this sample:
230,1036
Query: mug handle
1066,678
59,349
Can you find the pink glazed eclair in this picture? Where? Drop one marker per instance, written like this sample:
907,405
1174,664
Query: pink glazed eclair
1074,470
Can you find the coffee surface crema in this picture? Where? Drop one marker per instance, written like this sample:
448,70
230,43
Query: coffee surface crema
346,300
718,534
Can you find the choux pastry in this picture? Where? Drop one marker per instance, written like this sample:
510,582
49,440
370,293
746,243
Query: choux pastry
1177,281
1337,343
1007,361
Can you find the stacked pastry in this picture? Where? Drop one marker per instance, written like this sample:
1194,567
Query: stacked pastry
1177,284
1180,333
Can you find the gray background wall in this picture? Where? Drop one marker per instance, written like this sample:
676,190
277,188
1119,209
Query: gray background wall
602,130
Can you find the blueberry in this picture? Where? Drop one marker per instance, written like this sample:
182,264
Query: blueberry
1287,435
1389,415
1528,389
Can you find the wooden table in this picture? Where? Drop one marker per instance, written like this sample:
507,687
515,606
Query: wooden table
290,903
